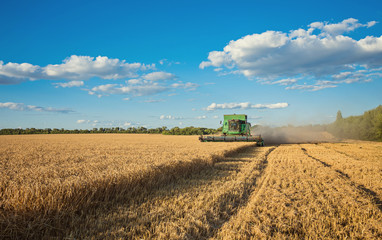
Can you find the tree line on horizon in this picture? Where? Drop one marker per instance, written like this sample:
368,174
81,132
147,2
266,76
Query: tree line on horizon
364,127
140,130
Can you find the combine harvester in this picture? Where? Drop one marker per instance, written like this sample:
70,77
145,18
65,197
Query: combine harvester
235,129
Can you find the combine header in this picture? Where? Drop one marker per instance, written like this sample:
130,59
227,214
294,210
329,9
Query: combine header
235,129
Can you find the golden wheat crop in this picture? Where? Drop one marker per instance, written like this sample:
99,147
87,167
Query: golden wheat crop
46,179
174,187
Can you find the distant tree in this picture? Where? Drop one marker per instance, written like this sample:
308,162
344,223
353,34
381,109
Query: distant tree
339,116
377,122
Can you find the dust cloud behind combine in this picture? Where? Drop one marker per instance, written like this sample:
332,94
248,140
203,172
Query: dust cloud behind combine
285,135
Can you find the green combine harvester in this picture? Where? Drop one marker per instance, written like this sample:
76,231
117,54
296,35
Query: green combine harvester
235,129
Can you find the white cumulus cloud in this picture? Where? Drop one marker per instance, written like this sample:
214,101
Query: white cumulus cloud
187,85
70,84
157,76
72,68
321,52
287,81
145,85
24,107
345,26
311,87
245,105
140,87
169,117
135,90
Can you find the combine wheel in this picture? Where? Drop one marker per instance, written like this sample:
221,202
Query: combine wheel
260,144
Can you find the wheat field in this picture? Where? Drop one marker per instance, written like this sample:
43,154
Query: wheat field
48,179
120,186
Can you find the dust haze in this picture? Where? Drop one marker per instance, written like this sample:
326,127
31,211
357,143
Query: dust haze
284,135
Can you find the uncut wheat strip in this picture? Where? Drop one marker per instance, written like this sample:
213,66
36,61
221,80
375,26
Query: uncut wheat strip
301,199
87,194
365,174
184,209
27,188
31,180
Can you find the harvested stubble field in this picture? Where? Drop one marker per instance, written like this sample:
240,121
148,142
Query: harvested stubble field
174,187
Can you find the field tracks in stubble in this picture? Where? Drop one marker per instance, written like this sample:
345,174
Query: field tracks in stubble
256,175
264,177
370,194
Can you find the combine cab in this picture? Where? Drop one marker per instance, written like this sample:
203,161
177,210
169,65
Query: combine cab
235,129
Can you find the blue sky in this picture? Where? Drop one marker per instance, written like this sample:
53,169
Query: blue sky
85,64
